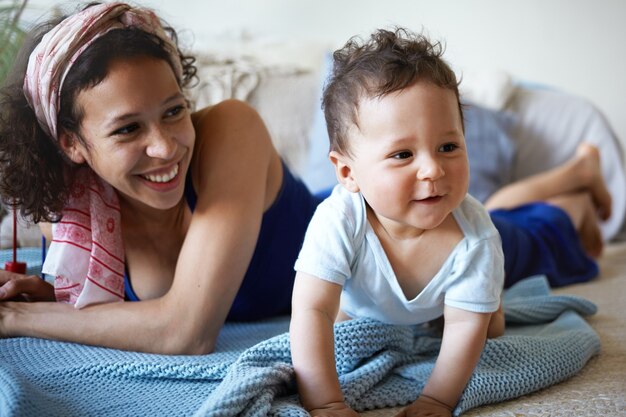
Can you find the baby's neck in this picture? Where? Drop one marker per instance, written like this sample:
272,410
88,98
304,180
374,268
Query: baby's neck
416,259
388,230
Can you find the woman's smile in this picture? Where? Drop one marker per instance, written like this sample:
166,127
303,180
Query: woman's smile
163,176
165,181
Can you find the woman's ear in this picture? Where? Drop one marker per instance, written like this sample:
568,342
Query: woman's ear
71,147
343,170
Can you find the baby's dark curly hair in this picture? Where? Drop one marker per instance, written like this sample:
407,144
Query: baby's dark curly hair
35,175
388,61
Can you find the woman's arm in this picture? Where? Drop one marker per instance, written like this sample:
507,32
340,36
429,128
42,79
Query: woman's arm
237,174
315,306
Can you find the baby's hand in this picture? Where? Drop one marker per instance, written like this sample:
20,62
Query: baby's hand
18,287
426,407
339,409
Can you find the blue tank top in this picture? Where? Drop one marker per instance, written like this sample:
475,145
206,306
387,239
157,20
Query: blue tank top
268,282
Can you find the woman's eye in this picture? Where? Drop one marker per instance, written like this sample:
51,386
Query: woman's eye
448,147
126,130
403,155
174,111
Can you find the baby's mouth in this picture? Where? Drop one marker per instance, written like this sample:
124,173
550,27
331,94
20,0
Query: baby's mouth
430,200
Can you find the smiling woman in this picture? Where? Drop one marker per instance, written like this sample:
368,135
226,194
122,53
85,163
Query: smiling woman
148,133
97,136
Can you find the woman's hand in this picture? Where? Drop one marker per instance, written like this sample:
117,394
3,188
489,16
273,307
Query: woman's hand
425,407
19,287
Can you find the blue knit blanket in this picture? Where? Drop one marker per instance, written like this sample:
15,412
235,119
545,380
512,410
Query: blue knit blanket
250,374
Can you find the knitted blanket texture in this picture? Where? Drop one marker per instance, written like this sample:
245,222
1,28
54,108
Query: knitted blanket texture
250,374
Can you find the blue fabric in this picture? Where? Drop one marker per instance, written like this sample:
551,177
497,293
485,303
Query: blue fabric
268,282
129,292
540,239
490,150
250,374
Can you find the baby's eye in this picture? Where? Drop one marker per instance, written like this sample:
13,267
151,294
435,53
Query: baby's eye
126,130
448,147
402,155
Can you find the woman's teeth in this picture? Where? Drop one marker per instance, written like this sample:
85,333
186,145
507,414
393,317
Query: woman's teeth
163,178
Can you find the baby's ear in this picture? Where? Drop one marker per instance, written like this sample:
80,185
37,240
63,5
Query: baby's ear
71,147
343,170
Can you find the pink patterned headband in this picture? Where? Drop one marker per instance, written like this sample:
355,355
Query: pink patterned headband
52,59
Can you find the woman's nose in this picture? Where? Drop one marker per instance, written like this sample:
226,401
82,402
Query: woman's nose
162,144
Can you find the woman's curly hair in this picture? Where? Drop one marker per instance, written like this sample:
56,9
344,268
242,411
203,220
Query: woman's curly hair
388,61
35,175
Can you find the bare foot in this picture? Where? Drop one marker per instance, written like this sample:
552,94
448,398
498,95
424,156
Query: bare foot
588,159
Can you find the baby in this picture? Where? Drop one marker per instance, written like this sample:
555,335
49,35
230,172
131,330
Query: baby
399,239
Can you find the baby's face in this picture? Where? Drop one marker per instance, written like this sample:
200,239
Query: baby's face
409,158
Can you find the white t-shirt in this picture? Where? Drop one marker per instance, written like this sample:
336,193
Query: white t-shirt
340,246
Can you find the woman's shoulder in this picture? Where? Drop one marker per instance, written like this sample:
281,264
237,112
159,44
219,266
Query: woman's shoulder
228,125
225,126
232,147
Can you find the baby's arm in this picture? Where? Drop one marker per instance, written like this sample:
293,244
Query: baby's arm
315,305
464,336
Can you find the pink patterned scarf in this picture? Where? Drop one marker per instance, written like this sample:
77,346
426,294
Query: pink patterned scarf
52,59
86,255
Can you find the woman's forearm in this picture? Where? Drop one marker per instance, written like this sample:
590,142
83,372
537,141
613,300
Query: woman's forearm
145,326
